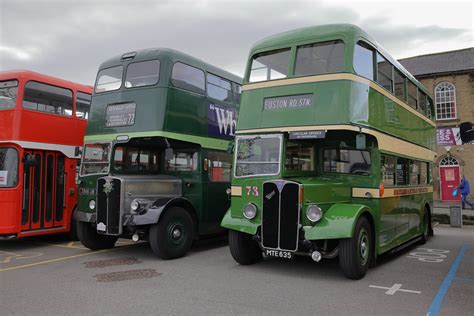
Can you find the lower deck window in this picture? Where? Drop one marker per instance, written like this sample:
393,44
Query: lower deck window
299,157
349,161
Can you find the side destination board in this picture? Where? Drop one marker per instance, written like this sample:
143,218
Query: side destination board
288,102
120,115
307,134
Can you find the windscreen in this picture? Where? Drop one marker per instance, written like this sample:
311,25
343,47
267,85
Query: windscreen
259,155
95,159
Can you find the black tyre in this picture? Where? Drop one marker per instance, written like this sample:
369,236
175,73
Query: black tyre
73,228
243,249
173,236
355,253
427,230
91,239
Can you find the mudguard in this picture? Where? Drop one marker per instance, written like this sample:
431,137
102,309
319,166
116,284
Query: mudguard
338,222
239,224
85,217
153,213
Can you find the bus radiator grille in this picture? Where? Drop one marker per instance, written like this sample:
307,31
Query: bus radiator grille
108,206
280,216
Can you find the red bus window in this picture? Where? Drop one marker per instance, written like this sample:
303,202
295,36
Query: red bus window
83,105
8,93
46,98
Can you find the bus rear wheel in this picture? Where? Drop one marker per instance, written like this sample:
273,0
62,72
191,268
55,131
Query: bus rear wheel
427,230
91,239
243,249
73,228
173,236
355,253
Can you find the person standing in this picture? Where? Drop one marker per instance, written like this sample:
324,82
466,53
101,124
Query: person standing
465,190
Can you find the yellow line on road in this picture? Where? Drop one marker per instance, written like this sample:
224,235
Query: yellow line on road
63,258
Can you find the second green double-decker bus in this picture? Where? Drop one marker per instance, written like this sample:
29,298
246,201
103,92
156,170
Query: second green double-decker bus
333,152
155,163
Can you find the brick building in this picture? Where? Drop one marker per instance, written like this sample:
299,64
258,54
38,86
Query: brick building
450,77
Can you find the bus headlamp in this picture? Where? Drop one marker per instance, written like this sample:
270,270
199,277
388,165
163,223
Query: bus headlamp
135,205
92,204
314,213
250,211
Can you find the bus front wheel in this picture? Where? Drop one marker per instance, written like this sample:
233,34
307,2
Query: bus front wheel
427,229
91,239
243,249
355,253
173,236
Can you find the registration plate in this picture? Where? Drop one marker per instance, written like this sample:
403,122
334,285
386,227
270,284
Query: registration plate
279,253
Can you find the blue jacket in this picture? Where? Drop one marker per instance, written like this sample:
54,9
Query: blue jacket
464,187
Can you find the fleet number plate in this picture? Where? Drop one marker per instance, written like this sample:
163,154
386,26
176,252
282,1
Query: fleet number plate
279,253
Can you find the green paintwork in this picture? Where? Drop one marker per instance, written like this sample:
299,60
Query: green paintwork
205,142
338,222
337,102
163,110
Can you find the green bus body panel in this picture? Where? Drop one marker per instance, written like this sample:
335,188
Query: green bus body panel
239,224
338,222
334,103
348,33
161,107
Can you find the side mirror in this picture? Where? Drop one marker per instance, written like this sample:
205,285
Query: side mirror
205,164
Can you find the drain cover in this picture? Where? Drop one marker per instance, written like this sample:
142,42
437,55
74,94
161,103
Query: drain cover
127,275
111,262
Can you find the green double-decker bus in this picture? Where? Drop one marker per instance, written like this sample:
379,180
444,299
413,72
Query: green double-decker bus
155,163
333,152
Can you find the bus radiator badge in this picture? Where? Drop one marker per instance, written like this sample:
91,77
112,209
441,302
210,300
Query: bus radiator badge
108,186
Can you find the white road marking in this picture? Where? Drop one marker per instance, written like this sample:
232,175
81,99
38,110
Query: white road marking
397,287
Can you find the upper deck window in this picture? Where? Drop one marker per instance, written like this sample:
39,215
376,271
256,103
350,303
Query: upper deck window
364,60
320,58
8,93
109,79
144,73
219,88
412,95
270,65
83,105
237,92
45,98
399,80
384,73
188,78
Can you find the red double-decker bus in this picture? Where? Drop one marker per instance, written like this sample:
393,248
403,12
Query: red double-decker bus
42,124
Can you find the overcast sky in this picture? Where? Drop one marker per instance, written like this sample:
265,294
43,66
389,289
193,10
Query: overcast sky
69,39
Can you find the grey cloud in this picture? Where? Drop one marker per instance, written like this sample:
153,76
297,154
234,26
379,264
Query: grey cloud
71,39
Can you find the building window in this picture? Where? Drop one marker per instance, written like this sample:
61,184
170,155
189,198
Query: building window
445,100
449,161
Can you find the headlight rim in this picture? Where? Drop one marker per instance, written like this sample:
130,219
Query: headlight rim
255,211
320,211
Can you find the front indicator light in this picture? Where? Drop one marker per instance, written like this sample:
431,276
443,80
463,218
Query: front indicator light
314,213
92,204
250,211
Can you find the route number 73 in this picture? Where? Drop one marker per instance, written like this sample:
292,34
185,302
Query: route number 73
252,190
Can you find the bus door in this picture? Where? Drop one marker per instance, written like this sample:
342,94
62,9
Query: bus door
31,202
44,181
218,172
54,190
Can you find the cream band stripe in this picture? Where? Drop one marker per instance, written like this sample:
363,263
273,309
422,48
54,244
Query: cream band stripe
334,77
